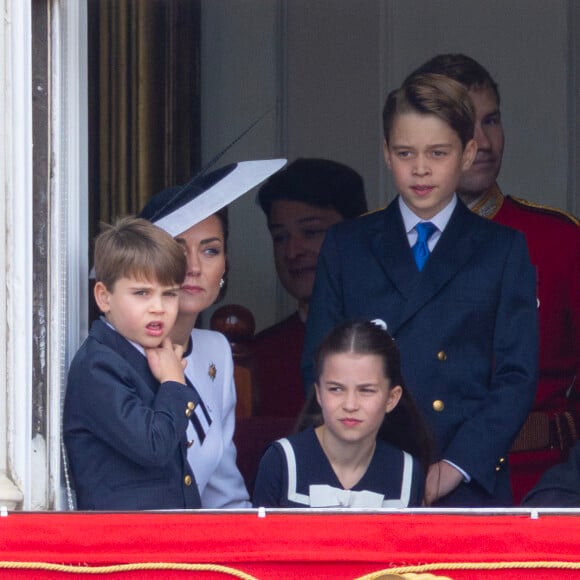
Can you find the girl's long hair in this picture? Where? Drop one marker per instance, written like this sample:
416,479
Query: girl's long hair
404,426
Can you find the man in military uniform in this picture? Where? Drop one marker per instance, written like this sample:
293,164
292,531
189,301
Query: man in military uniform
553,238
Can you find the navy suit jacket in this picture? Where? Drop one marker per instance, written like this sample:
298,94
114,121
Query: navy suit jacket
559,486
125,434
466,327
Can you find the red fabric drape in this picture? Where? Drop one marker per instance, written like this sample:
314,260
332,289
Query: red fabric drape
289,546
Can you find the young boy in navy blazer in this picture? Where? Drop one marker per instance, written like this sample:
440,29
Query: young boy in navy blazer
127,404
458,294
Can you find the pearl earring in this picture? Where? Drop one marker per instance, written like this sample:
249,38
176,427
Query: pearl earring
222,282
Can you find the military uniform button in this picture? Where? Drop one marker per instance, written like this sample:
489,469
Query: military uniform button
498,468
187,480
442,355
189,443
191,405
187,412
438,405
502,459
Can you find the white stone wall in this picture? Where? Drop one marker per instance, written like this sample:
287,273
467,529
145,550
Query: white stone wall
15,252
30,467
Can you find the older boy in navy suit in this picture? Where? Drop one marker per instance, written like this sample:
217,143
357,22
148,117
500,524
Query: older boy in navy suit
457,293
127,403
553,238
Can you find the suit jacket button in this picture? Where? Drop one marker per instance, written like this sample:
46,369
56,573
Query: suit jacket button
438,405
187,412
442,355
187,480
191,405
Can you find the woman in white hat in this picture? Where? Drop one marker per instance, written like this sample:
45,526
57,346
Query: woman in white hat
196,215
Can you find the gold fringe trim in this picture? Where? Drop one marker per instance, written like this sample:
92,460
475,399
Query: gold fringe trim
411,576
77,569
450,566
416,572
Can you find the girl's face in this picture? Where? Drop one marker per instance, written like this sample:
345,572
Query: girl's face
354,395
204,246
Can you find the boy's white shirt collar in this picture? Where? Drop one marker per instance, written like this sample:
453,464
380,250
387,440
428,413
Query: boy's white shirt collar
136,345
440,220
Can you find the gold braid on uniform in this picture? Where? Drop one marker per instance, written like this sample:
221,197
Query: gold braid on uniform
492,201
548,210
489,204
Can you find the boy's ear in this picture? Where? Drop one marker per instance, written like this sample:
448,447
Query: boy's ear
102,297
386,153
395,394
469,153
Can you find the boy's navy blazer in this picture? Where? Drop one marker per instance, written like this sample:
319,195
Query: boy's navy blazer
466,327
125,435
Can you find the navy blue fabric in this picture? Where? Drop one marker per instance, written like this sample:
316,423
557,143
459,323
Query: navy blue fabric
466,327
383,476
559,486
124,433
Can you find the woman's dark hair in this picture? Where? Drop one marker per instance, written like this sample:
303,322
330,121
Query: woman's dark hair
404,426
319,183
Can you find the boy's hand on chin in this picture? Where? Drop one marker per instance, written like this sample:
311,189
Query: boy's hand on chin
166,362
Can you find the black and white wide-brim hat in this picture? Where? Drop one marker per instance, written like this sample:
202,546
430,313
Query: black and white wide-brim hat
176,209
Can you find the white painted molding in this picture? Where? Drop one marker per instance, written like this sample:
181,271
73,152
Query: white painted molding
30,470
69,216
10,494
16,253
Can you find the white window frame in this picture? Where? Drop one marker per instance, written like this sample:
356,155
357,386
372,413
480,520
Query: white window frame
15,248
69,214
30,469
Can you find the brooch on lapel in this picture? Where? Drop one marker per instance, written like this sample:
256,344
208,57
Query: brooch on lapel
212,371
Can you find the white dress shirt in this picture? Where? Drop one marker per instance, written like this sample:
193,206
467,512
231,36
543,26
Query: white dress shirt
439,220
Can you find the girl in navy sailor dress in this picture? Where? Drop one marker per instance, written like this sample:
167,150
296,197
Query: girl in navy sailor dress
372,449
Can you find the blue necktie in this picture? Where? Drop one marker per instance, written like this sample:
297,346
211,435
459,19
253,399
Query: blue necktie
421,249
